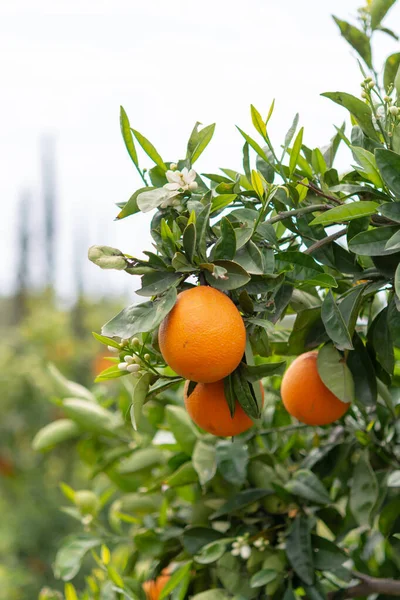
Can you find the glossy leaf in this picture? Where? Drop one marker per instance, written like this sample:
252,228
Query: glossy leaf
184,475
294,155
346,212
177,576
234,278
55,433
127,136
356,38
291,131
70,556
212,552
222,201
195,538
204,138
388,163
305,484
327,556
182,427
373,242
360,110
250,258
190,241
232,459
240,500
90,416
299,549
392,65
140,318
256,372
263,577
258,122
243,394
380,338
378,10
391,210
397,281
225,248
138,399
304,267
334,323
204,461
149,149
394,242
156,283
362,369
335,373
364,491
141,459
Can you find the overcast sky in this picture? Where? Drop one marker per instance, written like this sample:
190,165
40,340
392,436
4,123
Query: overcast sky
67,65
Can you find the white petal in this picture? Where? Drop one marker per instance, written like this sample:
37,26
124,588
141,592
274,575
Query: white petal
245,552
184,172
173,176
172,186
191,176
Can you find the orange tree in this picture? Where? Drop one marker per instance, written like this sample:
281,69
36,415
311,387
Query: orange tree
288,259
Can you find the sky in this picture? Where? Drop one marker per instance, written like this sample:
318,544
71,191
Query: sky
66,66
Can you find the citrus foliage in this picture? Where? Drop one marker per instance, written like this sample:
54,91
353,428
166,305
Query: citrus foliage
310,257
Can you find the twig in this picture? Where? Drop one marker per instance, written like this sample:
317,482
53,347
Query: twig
325,240
319,192
297,211
369,585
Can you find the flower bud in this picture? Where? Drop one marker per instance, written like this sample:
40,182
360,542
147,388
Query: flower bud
364,95
106,257
133,368
371,84
173,166
87,502
147,357
135,342
123,366
387,99
129,359
394,110
112,349
193,186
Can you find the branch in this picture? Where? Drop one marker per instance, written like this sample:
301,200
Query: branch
325,240
297,211
369,585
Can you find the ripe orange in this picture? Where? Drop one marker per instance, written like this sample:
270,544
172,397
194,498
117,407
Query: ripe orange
153,588
203,338
208,408
306,397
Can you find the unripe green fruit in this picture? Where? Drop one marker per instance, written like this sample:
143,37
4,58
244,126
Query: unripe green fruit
275,505
87,502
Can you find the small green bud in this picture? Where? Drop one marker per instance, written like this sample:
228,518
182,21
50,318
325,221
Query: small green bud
87,502
394,111
147,357
135,342
371,84
106,257
387,99
368,79
364,95
173,166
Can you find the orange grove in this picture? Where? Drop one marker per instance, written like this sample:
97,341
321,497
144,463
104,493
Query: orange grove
203,338
208,408
154,587
306,397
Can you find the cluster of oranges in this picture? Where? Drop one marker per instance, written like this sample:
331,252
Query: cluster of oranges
203,339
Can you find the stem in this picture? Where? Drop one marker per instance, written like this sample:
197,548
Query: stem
141,175
319,192
369,585
284,429
325,240
297,211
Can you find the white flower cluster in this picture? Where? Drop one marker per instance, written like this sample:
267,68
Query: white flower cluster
261,543
178,182
130,364
241,547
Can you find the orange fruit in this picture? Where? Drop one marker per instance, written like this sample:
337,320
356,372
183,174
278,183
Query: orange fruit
208,408
203,338
306,397
153,588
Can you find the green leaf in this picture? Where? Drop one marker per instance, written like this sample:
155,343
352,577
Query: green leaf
350,305
289,594
149,149
140,318
138,399
156,283
232,459
235,276
391,68
254,145
378,10
318,161
190,241
304,267
258,122
394,479
334,323
256,372
112,372
194,538
360,110
204,461
250,258
294,155
230,395
212,552
368,163
243,394
185,475
373,242
262,578
64,388
175,579
55,433
127,136
307,321
141,459
299,549
389,517
380,338
362,369
222,201
394,242
90,416
106,340
327,556
291,131
204,138
131,207
388,163
213,594
364,491
346,212
397,281
240,500
335,374
182,427
225,248
181,264
307,485
356,38
70,556
391,210
202,224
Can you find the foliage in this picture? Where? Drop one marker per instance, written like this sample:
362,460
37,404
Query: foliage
286,510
